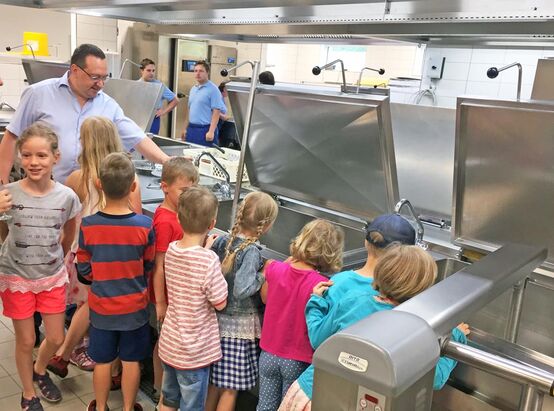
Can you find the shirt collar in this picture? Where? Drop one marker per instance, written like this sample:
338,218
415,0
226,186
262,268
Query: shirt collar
64,80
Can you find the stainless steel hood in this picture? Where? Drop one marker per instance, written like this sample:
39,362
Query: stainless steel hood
502,22
320,146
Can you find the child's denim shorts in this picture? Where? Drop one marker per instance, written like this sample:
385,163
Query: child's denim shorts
185,390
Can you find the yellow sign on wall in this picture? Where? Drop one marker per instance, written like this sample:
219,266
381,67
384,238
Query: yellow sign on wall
38,41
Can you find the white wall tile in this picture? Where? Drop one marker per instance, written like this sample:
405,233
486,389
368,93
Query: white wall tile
450,88
488,56
457,55
483,88
449,102
91,31
455,71
524,57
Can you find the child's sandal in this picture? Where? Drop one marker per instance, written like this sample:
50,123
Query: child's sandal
48,390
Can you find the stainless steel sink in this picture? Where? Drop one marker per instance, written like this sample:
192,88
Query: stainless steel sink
290,221
447,267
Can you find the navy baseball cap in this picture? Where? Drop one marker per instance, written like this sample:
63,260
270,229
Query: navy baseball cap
393,228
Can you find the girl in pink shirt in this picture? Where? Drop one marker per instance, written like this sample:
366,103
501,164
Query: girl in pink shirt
286,347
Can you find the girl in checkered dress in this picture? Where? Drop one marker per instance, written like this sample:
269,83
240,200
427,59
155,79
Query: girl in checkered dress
240,321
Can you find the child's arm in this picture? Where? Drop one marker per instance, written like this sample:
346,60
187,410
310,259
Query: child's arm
215,286
149,254
134,199
319,322
248,280
446,365
69,231
265,285
158,282
3,231
84,267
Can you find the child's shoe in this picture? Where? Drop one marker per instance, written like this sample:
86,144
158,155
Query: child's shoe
92,406
31,405
81,359
48,390
58,366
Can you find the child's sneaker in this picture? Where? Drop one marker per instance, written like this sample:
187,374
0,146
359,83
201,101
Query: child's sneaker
81,359
58,366
48,390
31,405
92,406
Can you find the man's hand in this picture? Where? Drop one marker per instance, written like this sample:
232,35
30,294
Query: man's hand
463,327
160,112
321,287
210,136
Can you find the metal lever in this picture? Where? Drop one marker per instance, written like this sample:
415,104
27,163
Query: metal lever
493,73
381,71
8,48
317,70
128,61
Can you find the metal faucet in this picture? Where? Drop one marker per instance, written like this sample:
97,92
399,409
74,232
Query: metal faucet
380,71
419,233
225,188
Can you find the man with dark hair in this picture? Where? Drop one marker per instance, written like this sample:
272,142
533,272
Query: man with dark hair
148,73
266,77
64,103
205,106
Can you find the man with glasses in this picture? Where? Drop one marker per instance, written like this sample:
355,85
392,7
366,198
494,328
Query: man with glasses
64,103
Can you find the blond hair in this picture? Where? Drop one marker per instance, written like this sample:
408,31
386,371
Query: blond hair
403,272
196,210
319,244
255,215
117,175
177,167
39,129
99,137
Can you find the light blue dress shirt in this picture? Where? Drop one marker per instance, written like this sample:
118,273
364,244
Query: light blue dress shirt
202,100
53,102
167,94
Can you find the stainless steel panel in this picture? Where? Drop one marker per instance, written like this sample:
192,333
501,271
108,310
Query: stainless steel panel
221,58
424,148
320,146
136,98
290,221
185,50
543,87
41,70
504,179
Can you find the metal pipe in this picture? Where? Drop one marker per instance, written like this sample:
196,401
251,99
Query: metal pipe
128,61
500,366
9,48
531,399
405,202
514,316
225,72
381,71
316,70
246,132
493,73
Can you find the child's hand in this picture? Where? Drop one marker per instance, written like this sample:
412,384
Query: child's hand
161,309
463,327
210,240
320,288
5,200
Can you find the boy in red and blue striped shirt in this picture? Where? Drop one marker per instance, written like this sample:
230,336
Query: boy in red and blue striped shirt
116,252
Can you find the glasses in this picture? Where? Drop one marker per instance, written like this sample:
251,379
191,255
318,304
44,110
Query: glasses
95,77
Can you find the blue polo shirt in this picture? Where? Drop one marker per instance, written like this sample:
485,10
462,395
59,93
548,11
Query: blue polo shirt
53,102
167,94
204,98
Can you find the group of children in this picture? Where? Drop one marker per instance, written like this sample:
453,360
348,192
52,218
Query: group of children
228,319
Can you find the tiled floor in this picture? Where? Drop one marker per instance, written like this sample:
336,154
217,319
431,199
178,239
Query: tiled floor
76,388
